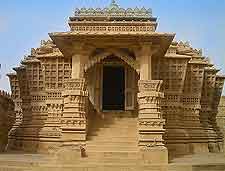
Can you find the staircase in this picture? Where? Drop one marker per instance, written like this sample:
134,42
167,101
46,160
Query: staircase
112,138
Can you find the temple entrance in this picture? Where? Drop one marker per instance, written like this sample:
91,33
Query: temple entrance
112,85
113,88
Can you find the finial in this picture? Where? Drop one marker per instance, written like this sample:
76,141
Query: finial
113,4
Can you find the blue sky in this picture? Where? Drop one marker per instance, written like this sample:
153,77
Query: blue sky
23,23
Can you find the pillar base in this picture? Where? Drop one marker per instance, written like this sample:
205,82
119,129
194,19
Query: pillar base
68,154
154,155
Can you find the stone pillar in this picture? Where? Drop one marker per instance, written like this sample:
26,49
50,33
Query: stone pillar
150,119
76,66
24,139
74,120
151,122
78,62
145,62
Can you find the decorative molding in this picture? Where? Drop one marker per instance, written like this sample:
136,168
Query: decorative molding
114,28
75,84
150,85
152,123
124,57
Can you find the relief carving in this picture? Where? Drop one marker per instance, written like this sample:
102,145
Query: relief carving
75,84
152,123
150,85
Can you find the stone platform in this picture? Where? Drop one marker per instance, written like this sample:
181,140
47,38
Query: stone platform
37,162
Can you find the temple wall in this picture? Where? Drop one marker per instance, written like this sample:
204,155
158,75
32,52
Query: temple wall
197,138
173,71
221,116
7,118
192,88
37,92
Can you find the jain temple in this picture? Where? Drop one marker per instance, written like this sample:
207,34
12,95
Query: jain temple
112,93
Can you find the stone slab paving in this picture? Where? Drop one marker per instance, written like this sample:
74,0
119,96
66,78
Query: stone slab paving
38,162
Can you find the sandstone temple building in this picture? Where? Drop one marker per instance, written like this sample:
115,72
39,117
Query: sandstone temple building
112,83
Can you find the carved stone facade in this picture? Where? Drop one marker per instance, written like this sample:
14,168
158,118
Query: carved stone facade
170,88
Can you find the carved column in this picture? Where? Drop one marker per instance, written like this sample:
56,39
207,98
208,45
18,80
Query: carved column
74,121
150,119
24,132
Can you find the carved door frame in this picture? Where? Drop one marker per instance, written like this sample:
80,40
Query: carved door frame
130,88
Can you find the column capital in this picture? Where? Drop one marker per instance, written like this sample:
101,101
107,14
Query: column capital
143,49
83,49
79,58
144,54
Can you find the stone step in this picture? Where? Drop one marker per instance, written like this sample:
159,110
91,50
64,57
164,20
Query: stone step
105,167
112,138
120,138
117,115
13,168
100,143
115,120
112,147
116,154
22,163
106,119
109,148
115,125
114,134
114,131
95,161
122,161
108,137
111,157
120,132
117,167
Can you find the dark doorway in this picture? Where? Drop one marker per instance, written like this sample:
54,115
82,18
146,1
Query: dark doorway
113,88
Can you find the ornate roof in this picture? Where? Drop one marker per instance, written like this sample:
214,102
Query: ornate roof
114,10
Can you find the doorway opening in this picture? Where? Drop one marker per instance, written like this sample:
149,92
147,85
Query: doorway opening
113,88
